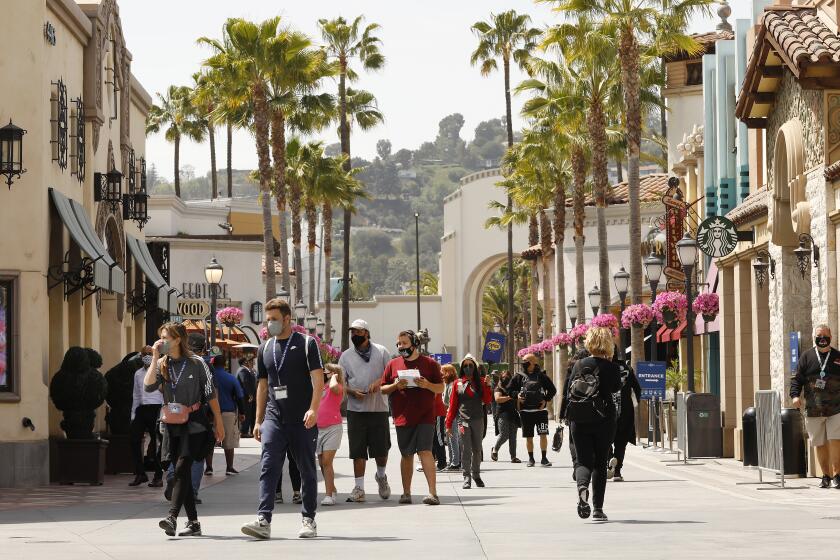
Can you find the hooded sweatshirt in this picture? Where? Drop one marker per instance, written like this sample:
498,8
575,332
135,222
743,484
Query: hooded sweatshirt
468,396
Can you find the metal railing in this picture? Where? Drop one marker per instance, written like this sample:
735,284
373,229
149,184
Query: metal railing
682,426
768,419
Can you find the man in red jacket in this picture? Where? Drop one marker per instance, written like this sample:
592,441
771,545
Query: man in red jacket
411,381
469,395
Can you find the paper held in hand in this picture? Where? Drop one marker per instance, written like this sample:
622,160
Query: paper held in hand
409,375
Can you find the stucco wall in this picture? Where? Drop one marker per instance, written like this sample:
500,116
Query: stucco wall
807,105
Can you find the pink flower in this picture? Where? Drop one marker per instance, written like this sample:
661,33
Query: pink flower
607,321
264,333
674,302
299,329
707,304
579,332
639,314
229,315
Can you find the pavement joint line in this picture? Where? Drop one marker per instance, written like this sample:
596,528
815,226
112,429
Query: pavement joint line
467,517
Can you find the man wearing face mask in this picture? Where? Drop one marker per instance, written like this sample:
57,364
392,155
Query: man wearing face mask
818,376
412,381
535,391
469,396
368,430
289,388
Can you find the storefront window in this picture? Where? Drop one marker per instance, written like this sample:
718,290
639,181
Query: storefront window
5,336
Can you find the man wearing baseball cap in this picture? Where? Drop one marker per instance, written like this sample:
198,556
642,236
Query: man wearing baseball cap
368,429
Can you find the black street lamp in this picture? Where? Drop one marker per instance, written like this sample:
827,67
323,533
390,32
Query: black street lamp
311,323
417,255
653,268
300,312
319,328
284,294
213,273
621,279
595,299
11,152
571,310
687,252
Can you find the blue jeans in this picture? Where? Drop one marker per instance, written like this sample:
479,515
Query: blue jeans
277,440
197,472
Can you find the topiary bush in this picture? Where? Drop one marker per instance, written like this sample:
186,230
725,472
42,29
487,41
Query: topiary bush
120,379
77,390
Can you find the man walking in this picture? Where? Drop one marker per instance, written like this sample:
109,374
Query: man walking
818,376
535,391
247,378
368,430
145,409
232,405
290,383
412,381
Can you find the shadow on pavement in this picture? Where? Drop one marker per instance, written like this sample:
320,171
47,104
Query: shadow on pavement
654,522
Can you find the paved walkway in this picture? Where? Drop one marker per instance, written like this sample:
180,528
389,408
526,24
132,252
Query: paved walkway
709,508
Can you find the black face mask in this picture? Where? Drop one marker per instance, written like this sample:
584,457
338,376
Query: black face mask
468,371
822,341
358,339
406,352
526,370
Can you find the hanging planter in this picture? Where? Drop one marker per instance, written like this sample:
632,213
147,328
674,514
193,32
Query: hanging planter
708,305
670,308
638,316
229,316
578,333
669,317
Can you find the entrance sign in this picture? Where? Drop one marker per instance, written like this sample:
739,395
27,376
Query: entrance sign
717,236
651,379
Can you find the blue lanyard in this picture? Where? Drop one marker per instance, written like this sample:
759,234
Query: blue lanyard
279,368
173,381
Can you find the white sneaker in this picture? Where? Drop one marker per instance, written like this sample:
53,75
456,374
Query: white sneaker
357,495
611,467
384,487
328,500
308,529
260,529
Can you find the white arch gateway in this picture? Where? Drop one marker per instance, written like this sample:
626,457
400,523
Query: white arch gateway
470,253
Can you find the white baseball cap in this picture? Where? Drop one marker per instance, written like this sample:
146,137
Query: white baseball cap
360,324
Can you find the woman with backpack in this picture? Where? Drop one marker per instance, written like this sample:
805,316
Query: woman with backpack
469,395
591,411
508,417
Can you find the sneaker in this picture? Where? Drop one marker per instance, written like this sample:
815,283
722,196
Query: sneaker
357,495
611,468
439,468
825,482
167,492
515,460
157,482
419,468
617,475
168,524
328,500
530,463
452,468
405,499
545,462
431,500
494,455
259,529
208,472
197,501
583,508
296,499
192,529
308,529
384,487
139,479
478,481
599,515
467,483
278,498
231,471
835,482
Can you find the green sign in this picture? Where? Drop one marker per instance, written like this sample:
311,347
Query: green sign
717,236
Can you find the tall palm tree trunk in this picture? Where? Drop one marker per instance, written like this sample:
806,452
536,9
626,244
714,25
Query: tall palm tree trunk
560,277
596,123
533,239
579,172
509,114
344,133
619,170
229,160
545,245
278,148
327,242
214,179
295,192
630,82
177,178
311,242
261,129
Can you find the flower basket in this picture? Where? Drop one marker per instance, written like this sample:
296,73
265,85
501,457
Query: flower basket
638,316
670,308
606,320
578,333
669,317
229,316
708,305
708,318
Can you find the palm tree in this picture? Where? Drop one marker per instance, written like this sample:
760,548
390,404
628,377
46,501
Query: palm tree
506,36
175,111
658,25
345,43
205,94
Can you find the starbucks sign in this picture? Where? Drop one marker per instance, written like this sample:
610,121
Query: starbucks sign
717,236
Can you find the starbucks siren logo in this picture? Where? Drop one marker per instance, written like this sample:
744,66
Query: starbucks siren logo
717,236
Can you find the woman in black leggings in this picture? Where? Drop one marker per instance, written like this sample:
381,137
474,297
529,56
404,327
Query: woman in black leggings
592,415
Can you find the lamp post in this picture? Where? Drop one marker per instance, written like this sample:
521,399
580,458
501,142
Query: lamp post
653,269
595,299
311,322
300,312
319,328
687,251
571,309
213,273
332,334
284,294
417,256
621,279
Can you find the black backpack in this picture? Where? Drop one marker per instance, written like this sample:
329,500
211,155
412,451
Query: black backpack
585,402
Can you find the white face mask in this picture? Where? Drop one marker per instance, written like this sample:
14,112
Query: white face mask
275,328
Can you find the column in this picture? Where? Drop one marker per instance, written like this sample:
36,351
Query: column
743,348
760,336
728,334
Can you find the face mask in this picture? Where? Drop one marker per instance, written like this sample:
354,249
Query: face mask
406,352
275,328
468,370
822,341
358,339
165,347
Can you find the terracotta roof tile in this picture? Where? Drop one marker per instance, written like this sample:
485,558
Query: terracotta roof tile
752,207
651,189
707,42
802,35
832,172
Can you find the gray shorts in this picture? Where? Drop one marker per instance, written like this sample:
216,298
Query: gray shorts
413,439
329,438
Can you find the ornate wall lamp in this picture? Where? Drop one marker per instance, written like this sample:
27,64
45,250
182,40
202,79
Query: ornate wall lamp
803,253
762,262
11,152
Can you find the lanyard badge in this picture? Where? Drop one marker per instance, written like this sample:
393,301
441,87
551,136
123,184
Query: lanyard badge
280,392
820,383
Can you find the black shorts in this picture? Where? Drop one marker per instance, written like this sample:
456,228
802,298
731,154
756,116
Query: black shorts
368,434
538,419
413,439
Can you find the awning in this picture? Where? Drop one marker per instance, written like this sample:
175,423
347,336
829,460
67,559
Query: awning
664,334
106,272
629,349
167,296
700,326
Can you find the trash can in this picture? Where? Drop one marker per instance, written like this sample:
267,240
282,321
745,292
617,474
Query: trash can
749,438
704,433
793,442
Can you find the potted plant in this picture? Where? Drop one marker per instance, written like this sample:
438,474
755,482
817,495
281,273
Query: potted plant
119,396
639,316
229,316
670,308
707,304
78,389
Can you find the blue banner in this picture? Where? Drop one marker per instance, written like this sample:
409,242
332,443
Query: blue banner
793,340
652,379
442,359
494,348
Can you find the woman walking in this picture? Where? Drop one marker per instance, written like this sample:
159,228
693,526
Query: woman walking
591,410
453,439
330,428
508,417
467,401
187,384
626,424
